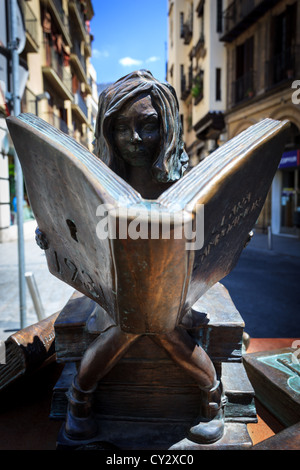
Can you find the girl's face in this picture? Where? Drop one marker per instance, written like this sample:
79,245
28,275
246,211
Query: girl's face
136,132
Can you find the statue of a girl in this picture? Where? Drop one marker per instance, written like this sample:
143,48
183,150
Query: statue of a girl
138,135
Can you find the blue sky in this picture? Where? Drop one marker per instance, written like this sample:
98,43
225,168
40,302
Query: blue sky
129,35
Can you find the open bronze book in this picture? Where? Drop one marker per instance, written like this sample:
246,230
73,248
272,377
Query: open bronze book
146,283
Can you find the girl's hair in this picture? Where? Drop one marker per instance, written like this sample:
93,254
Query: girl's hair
172,160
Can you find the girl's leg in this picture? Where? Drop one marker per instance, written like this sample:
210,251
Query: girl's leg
102,355
191,357
98,360
194,360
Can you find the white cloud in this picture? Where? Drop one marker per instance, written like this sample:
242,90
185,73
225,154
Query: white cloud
153,59
99,54
128,62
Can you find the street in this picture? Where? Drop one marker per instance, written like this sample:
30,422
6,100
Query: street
265,289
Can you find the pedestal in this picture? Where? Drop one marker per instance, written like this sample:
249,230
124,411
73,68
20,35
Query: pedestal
147,401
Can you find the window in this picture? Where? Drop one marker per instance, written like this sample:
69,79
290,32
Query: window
218,84
181,70
182,79
285,26
181,24
219,16
182,123
282,64
244,58
244,77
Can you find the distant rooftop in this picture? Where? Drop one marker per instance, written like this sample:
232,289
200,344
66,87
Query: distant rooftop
102,86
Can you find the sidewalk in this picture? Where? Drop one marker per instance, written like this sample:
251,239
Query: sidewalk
280,244
54,293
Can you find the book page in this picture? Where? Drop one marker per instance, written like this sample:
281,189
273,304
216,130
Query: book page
112,183
193,186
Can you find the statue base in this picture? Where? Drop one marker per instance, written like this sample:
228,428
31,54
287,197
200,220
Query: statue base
147,401
120,435
139,416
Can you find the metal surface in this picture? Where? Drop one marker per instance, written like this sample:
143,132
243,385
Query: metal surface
284,363
146,285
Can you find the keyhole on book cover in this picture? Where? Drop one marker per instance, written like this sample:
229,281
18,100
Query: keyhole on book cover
72,228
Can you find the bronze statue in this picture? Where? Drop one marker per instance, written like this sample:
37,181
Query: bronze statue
138,135
145,286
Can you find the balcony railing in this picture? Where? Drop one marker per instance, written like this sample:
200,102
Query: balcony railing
185,90
80,12
56,62
241,14
61,12
186,28
30,23
75,7
79,101
243,88
198,49
283,66
235,13
77,51
59,17
186,83
197,88
187,33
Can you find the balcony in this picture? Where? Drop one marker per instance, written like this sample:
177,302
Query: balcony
79,107
88,45
89,10
200,7
282,67
78,16
241,14
242,89
199,49
186,84
187,33
60,18
57,74
31,28
78,61
197,88
185,91
89,85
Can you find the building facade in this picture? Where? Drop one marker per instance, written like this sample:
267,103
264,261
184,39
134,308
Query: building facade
197,70
233,63
262,40
60,85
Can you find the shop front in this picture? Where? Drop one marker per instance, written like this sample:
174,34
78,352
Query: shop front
285,195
